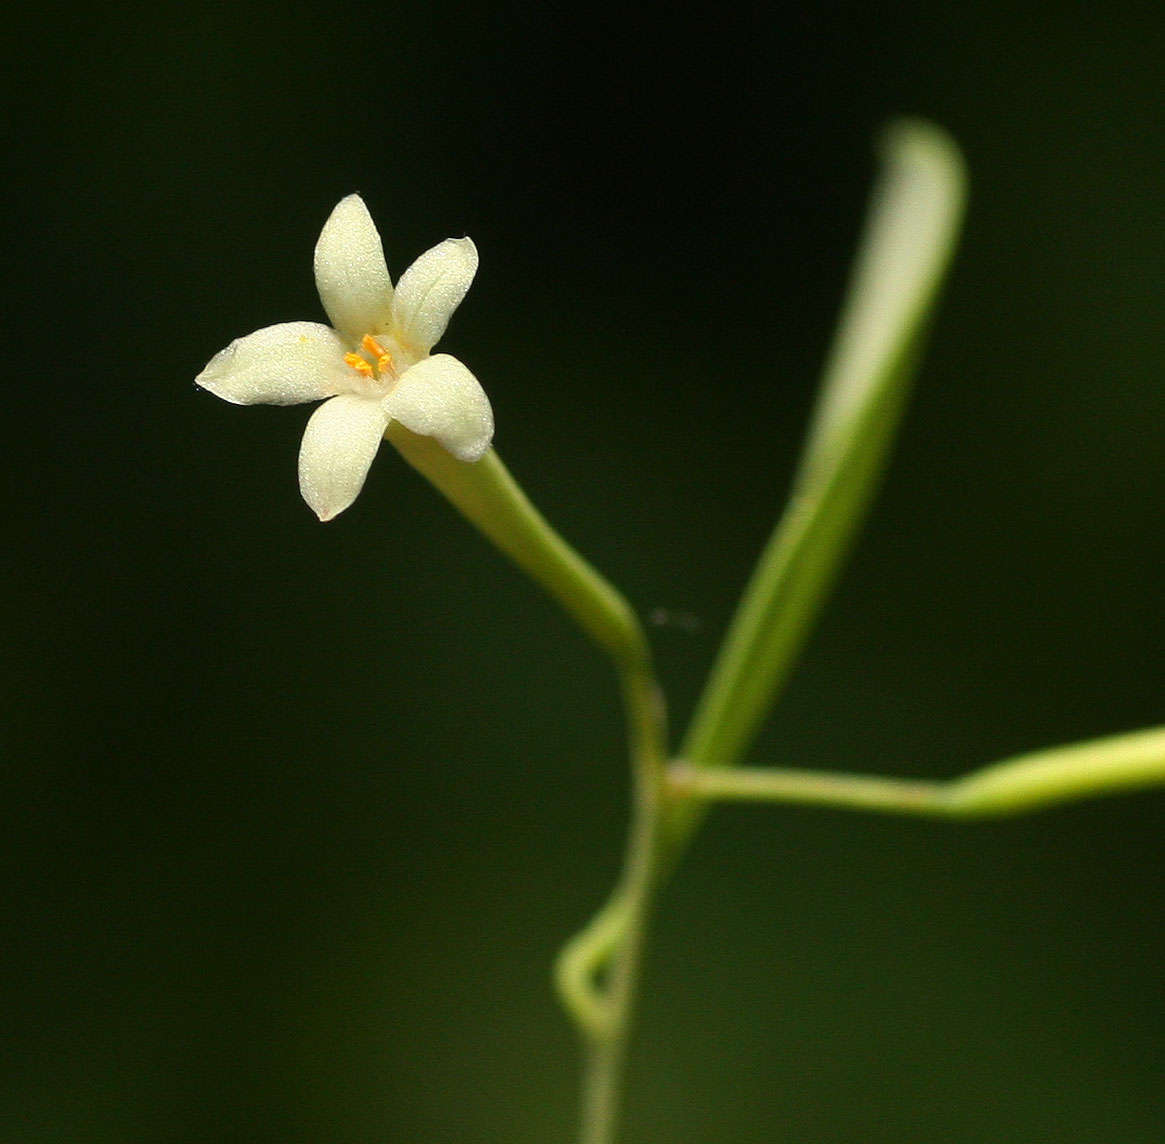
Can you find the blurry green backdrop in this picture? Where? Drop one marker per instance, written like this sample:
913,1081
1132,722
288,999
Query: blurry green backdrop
297,815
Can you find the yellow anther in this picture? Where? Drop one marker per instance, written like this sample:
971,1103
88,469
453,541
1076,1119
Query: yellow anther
358,364
383,357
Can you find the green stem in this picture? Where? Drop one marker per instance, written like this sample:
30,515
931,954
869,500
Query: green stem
906,248
619,931
488,496
607,1047
812,788
1017,785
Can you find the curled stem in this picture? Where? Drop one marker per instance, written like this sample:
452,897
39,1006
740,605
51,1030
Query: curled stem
582,960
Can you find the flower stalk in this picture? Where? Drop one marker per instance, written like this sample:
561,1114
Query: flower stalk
487,495
375,372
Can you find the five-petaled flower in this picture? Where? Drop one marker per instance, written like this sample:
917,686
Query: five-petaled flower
373,363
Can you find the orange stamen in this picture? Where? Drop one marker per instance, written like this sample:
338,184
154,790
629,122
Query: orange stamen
358,364
383,357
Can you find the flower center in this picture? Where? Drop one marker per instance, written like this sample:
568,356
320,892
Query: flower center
375,367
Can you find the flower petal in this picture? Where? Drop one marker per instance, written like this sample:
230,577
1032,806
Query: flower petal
279,365
339,443
440,398
351,274
431,289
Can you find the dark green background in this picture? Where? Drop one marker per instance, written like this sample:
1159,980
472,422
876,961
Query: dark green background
298,815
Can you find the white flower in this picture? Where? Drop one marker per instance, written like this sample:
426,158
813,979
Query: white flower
373,362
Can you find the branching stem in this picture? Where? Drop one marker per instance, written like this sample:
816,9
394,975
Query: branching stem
1017,785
